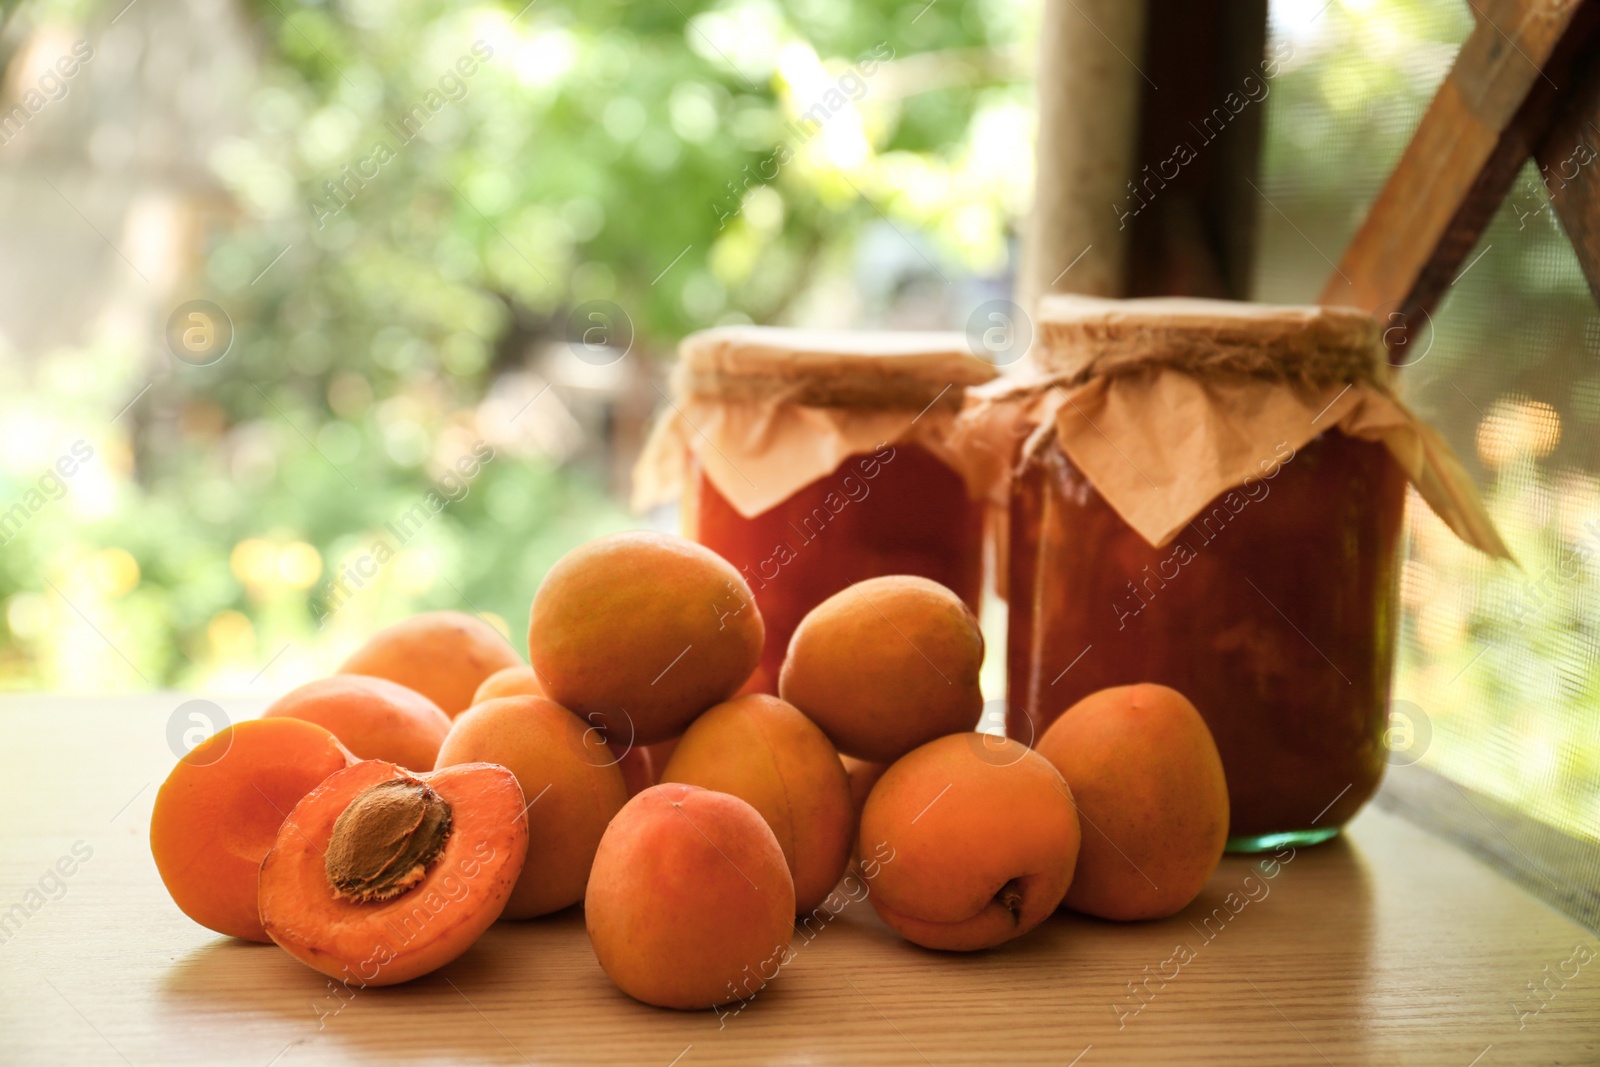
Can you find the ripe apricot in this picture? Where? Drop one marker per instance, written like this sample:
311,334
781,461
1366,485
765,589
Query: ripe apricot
444,655
1148,781
640,632
638,769
509,682
763,751
690,905
886,665
372,717
572,783
219,810
379,875
976,838
863,775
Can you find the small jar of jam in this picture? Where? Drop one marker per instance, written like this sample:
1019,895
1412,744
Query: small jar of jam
811,460
1213,502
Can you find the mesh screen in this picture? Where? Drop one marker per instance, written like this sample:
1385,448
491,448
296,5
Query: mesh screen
1499,667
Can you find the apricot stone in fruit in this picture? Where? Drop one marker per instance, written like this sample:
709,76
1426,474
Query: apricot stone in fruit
379,876
690,903
372,717
975,838
763,751
570,778
1148,781
444,655
640,632
886,665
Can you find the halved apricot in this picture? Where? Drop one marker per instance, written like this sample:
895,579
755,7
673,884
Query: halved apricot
372,717
219,811
379,876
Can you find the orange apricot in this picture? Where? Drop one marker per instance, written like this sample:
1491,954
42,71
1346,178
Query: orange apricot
661,755
690,905
444,655
572,783
763,751
638,769
863,776
975,838
372,717
639,632
509,682
379,875
1148,780
219,810
886,665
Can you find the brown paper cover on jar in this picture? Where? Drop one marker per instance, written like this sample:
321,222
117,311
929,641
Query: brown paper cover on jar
767,410
1166,403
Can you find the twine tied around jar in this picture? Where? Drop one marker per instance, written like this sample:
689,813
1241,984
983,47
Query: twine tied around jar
765,411
1167,404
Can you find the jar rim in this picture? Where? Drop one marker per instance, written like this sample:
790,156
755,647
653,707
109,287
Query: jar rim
822,368
1091,336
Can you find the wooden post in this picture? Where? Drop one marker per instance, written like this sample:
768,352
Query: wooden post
1089,90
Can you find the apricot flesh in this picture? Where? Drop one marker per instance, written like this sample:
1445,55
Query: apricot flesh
509,682
640,632
570,778
444,655
457,897
373,717
763,751
690,904
218,813
975,839
1148,780
886,665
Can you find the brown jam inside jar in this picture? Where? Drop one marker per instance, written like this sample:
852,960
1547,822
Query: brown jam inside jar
1273,611
898,510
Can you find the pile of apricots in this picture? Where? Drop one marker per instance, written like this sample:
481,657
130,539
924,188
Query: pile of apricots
376,823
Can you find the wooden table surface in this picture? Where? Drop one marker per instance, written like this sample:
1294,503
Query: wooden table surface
1387,946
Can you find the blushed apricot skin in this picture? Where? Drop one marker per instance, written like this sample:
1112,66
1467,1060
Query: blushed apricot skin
572,784
1147,776
380,943
509,682
372,717
640,632
976,838
218,813
444,655
886,665
763,751
690,905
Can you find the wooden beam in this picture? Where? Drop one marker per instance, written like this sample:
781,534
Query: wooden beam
1569,159
1493,110
1192,229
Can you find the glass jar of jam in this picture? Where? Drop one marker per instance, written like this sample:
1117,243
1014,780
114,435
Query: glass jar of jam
1214,503
811,460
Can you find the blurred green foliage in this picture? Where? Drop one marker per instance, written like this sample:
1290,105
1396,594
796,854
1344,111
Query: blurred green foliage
444,183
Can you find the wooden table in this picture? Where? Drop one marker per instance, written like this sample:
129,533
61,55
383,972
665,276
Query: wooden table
1388,946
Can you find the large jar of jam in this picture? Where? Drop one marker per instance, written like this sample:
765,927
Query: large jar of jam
1213,501
811,460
